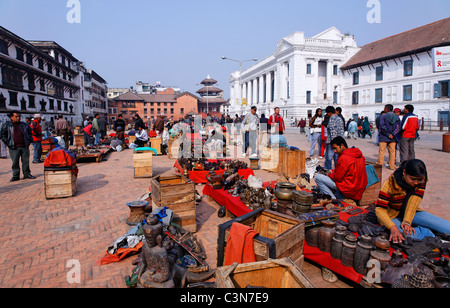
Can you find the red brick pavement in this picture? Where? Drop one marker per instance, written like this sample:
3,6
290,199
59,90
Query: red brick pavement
38,237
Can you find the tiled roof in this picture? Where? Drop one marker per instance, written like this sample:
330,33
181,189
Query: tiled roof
410,42
129,96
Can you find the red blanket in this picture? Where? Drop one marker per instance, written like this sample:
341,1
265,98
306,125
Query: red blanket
240,245
199,177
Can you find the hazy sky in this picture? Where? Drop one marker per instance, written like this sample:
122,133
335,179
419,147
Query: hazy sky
180,42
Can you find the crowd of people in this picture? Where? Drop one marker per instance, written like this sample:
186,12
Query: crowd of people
17,136
398,206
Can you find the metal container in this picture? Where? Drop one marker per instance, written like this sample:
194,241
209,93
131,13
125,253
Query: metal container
348,250
362,254
326,233
337,243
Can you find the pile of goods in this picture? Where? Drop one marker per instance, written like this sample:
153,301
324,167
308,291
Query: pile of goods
168,259
203,164
413,264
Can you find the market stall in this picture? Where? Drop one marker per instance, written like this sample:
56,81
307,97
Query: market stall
200,175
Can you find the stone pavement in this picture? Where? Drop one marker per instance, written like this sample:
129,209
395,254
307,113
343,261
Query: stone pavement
38,237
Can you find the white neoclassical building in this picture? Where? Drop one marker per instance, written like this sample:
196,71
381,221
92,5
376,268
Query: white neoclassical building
303,74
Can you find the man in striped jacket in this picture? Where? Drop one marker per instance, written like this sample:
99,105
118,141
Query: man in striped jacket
410,126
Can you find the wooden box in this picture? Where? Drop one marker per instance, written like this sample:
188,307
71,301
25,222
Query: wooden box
279,236
371,194
269,159
178,194
173,148
59,182
156,144
79,140
292,163
274,274
131,139
143,164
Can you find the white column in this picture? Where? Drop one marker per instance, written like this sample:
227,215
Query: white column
329,83
269,87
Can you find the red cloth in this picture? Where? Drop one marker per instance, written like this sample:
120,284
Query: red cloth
60,158
120,254
240,245
199,177
233,204
350,174
277,119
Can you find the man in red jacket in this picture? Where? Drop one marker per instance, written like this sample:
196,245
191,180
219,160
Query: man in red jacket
410,126
36,131
277,120
349,179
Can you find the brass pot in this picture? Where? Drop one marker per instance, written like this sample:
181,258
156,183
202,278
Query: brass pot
285,191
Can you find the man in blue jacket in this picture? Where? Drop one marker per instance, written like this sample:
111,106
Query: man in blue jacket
389,128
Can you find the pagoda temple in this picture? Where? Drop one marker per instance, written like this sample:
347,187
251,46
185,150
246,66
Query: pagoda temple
211,98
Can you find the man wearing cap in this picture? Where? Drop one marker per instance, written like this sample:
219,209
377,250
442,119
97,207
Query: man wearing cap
36,132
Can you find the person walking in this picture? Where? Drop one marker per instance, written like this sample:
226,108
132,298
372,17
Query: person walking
62,129
17,137
366,128
276,122
389,128
302,125
352,129
335,128
36,131
96,127
410,127
3,152
250,127
316,131
102,125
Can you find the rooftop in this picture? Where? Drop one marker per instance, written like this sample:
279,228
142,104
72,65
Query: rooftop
406,43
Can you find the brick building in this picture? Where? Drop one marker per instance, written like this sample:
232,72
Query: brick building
174,105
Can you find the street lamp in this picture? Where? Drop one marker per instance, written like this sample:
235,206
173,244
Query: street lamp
240,71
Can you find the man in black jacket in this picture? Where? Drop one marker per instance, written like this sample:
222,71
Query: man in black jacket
119,124
17,136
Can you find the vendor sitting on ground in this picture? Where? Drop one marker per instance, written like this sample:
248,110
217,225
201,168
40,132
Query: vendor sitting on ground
141,137
349,179
398,205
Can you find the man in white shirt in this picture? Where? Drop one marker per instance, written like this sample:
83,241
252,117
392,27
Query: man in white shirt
141,137
250,125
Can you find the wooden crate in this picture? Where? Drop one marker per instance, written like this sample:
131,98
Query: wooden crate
79,140
178,194
173,148
274,274
143,164
292,163
156,143
59,183
371,194
269,159
279,236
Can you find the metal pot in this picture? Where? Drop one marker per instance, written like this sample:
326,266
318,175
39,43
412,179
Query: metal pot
284,191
